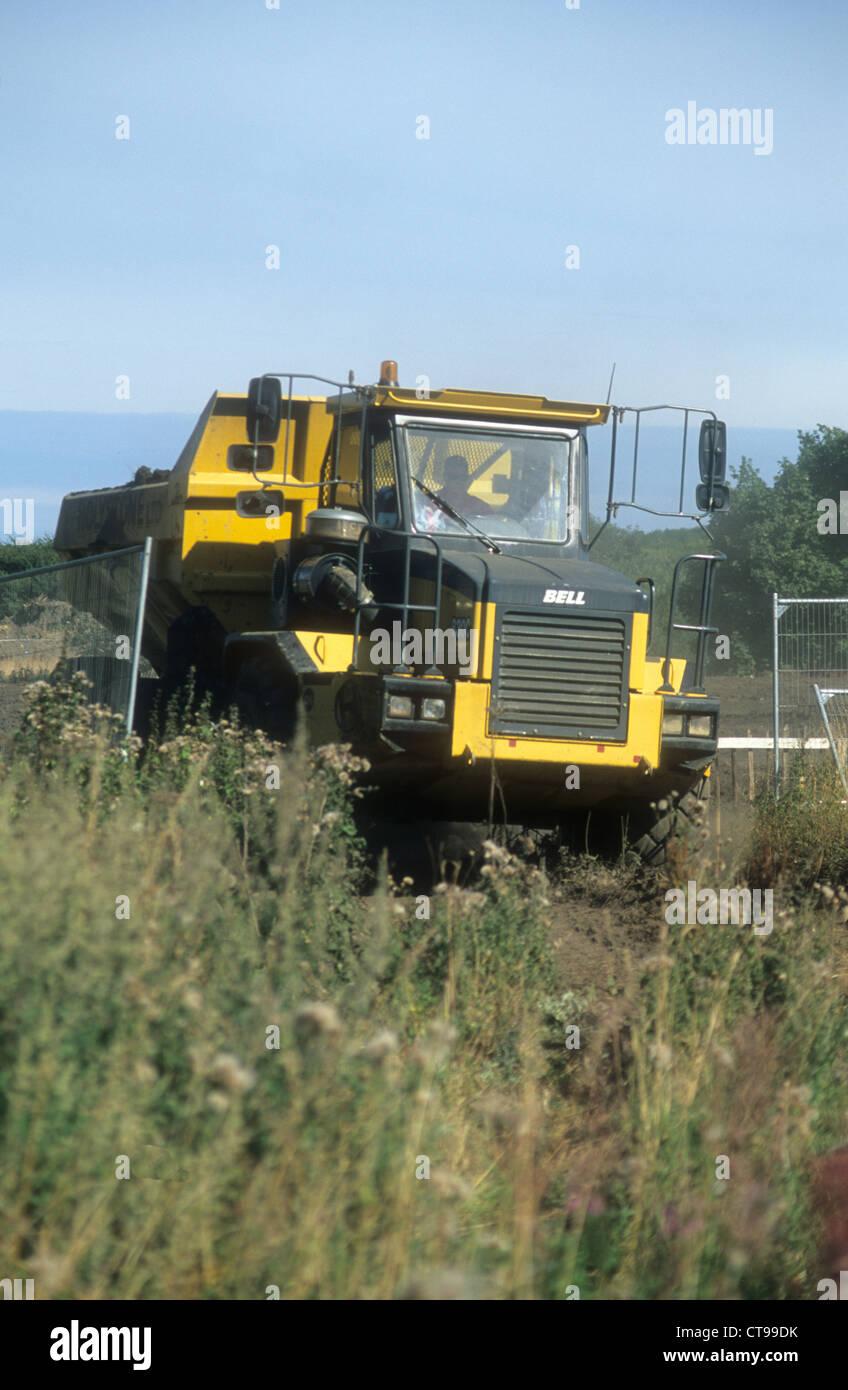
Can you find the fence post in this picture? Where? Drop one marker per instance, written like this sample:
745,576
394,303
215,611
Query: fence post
776,694
139,627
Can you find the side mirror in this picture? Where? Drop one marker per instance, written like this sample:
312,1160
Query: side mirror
264,409
712,503
713,494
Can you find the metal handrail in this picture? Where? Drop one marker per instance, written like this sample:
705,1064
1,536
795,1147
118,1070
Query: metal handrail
702,628
617,414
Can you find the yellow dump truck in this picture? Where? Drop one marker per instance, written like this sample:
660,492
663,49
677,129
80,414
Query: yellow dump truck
411,572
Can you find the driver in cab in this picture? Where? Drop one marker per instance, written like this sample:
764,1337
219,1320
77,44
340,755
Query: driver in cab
455,492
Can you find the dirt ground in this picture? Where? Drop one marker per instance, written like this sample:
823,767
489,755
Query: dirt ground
745,704
599,919
590,938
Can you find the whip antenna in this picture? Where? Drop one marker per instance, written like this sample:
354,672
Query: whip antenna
609,389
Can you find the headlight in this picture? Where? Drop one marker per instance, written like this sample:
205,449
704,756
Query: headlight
701,725
672,724
400,707
433,709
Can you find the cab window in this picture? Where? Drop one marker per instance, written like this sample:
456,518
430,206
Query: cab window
384,499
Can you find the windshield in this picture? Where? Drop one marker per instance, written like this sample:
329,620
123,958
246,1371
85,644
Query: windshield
510,484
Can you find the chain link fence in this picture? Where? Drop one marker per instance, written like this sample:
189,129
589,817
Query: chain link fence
810,648
833,706
82,615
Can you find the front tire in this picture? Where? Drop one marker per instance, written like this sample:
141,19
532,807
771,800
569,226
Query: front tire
265,696
681,817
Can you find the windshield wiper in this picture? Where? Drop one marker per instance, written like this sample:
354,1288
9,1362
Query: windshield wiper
457,516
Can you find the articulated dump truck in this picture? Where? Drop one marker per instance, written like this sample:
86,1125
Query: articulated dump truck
411,573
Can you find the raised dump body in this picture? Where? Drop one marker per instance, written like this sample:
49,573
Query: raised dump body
211,550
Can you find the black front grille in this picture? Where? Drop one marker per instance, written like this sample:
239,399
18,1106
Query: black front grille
560,675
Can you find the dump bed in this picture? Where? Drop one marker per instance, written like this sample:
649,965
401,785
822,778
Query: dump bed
215,535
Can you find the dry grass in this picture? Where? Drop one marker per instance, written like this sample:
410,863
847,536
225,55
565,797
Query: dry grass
405,1043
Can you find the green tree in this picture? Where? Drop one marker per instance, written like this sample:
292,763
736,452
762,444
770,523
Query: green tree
772,540
14,558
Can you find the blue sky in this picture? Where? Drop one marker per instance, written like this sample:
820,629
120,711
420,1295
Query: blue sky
296,127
